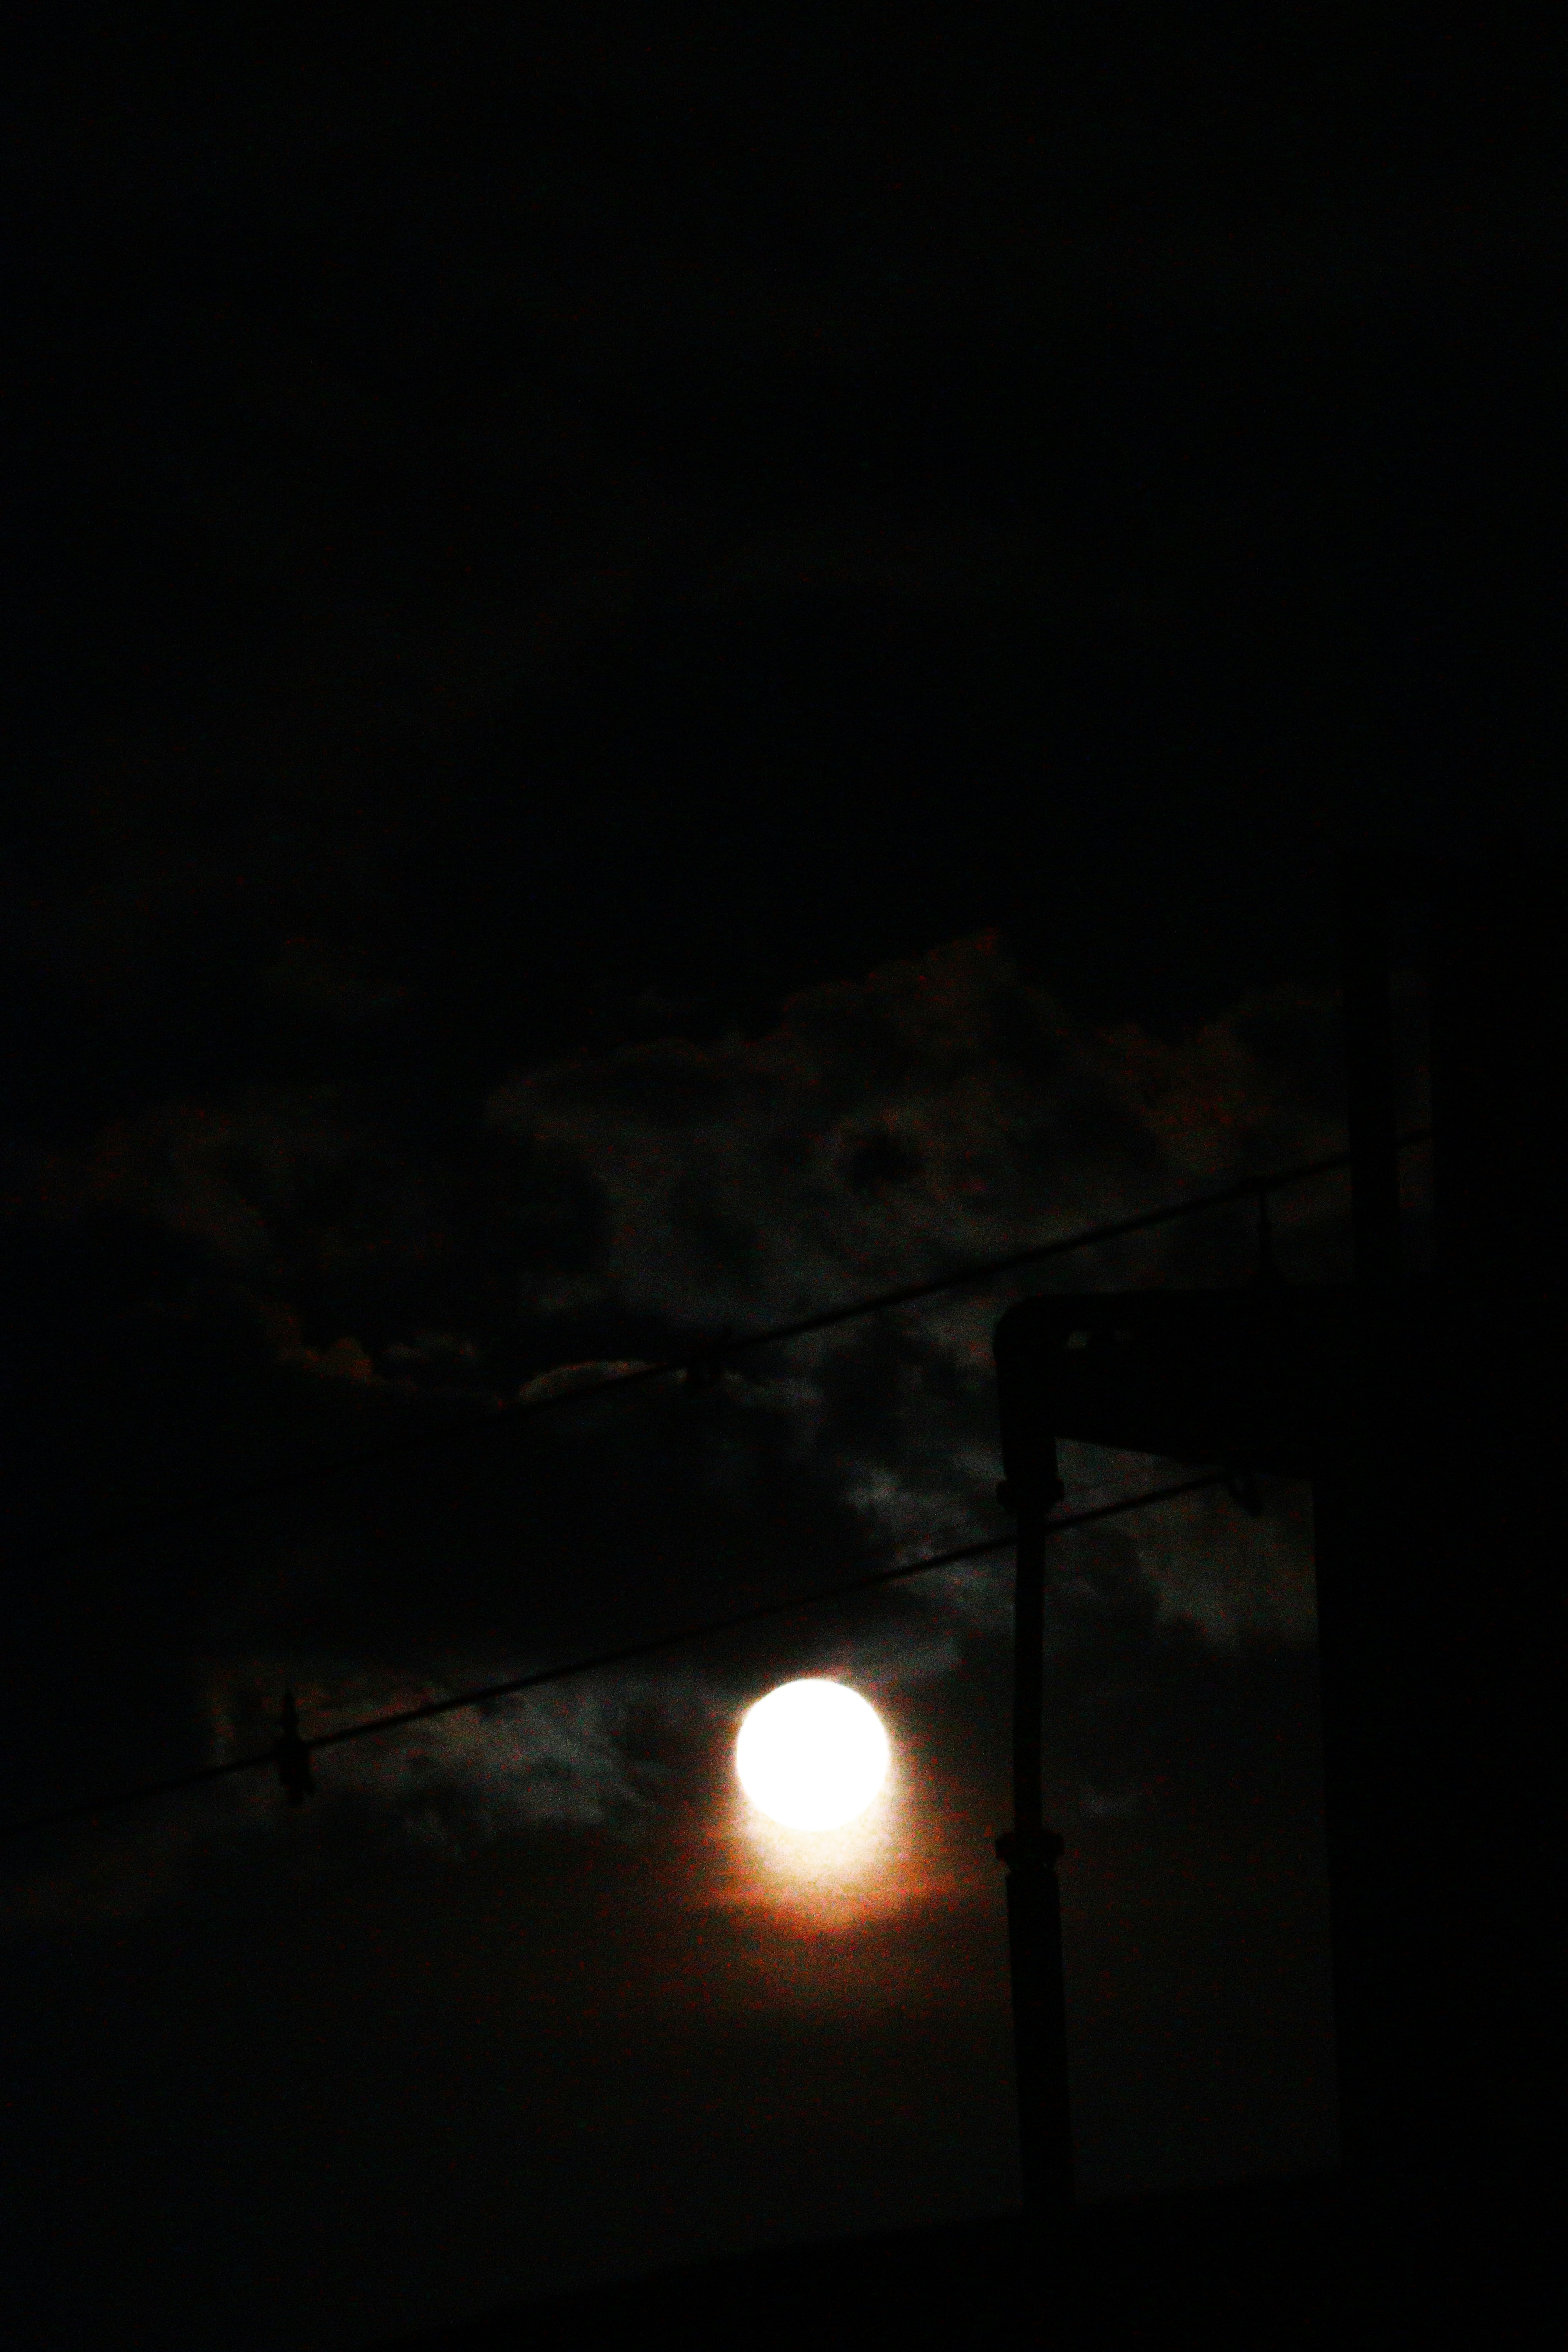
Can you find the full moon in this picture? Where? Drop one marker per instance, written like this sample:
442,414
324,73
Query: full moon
812,1755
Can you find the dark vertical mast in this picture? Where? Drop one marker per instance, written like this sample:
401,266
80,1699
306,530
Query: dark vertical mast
1497,1472
1369,1075
1029,1849
1439,1582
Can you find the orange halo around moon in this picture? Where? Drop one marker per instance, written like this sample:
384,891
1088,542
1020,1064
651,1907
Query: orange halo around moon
812,1755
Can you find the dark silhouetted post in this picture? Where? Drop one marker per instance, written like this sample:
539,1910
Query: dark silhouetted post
1369,1075
1033,1905
1428,1413
1026,1389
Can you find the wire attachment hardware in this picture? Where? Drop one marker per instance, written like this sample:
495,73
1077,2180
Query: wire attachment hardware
1267,1276
708,1366
1025,1848
292,1756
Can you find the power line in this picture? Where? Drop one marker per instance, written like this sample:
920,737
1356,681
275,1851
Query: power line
703,1365
623,1655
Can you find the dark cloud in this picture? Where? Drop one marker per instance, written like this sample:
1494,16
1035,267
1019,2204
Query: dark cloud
548,552
940,1112
944,1110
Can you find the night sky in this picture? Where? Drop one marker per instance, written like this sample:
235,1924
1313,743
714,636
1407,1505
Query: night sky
664,667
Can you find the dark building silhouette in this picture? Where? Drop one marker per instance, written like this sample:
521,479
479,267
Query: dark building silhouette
1426,1408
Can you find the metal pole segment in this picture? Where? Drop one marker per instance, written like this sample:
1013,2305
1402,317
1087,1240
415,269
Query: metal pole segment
1033,1909
1369,1075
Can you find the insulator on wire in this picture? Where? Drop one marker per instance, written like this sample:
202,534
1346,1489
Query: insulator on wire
293,1757
708,1366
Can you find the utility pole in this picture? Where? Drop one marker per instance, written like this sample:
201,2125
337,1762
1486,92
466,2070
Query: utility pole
1428,1413
1034,1898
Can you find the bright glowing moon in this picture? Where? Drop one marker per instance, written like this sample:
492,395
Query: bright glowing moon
812,1755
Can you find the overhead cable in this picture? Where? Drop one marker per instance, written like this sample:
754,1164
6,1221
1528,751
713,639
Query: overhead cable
701,1367
293,1749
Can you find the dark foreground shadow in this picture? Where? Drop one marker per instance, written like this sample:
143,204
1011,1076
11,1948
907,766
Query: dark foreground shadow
1271,2264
